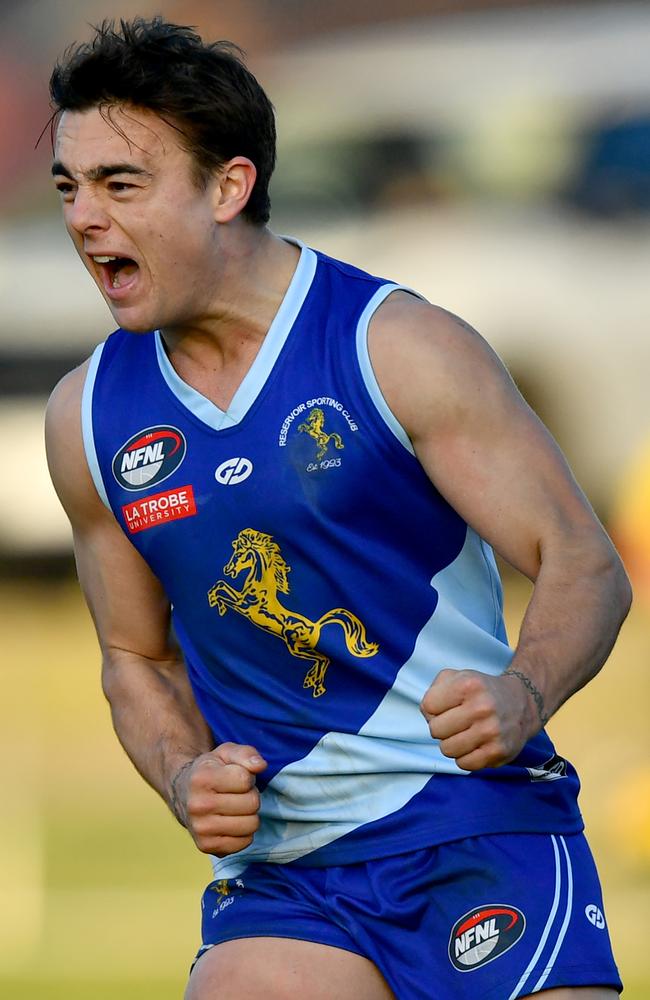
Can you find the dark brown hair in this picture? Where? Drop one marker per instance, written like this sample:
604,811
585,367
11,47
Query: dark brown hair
203,90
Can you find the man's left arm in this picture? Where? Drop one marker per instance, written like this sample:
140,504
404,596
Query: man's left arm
493,460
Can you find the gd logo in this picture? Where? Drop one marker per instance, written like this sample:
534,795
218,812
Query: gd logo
594,916
233,471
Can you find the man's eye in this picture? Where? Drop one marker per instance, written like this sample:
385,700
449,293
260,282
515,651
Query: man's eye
118,187
65,189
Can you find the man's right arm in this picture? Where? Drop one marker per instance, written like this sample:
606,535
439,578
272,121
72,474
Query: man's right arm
211,790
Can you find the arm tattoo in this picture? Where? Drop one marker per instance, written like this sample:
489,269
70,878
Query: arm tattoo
534,693
461,322
175,804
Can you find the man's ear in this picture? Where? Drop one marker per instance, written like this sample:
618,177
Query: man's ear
235,180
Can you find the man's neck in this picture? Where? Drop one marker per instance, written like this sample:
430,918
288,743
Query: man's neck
255,269
215,353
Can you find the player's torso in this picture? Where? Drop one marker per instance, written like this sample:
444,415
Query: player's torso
319,581
288,531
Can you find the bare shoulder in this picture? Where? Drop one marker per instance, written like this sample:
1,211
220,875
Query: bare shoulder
64,406
420,324
432,365
126,600
408,312
64,444
476,438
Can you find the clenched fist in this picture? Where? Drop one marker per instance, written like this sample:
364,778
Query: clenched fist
215,797
480,720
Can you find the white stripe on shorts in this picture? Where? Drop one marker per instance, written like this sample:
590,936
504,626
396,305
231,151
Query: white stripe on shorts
549,923
569,906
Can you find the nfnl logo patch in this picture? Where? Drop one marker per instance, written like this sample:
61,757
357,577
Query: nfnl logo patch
482,935
149,457
161,508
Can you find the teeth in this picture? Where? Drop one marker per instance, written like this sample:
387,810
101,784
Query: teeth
103,260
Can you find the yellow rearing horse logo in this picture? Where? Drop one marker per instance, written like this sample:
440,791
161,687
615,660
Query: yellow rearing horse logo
267,574
313,426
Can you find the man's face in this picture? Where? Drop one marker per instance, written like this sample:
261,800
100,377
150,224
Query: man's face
132,197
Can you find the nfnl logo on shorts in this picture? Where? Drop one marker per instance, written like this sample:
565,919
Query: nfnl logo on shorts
161,508
149,457
482,935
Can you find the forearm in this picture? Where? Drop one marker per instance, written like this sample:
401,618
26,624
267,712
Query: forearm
155,716
580,600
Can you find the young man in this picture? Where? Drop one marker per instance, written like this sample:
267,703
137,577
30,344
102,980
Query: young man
303,469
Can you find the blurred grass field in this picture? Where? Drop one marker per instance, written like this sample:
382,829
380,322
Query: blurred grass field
100,888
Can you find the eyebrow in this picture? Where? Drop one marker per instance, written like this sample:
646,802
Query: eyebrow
100,173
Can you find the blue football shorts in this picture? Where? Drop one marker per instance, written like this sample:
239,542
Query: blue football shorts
495,917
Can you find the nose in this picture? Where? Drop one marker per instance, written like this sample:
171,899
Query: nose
85,213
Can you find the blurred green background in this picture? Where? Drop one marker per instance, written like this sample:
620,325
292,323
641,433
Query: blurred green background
493,155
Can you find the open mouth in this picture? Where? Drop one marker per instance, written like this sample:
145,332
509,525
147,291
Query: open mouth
116,272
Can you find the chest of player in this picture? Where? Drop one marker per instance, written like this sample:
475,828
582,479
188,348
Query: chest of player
307,496
182,492
299,489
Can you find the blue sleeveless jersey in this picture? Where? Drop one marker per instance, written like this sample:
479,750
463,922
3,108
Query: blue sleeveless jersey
319,582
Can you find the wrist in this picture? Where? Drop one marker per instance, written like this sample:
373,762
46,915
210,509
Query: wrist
539,715
176,797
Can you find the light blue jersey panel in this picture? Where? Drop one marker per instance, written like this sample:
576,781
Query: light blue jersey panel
319,581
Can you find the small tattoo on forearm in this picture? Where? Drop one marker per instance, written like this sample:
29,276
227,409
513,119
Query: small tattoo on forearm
175,804
534,693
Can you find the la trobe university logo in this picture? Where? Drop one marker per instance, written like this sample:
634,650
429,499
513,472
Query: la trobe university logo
149,457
